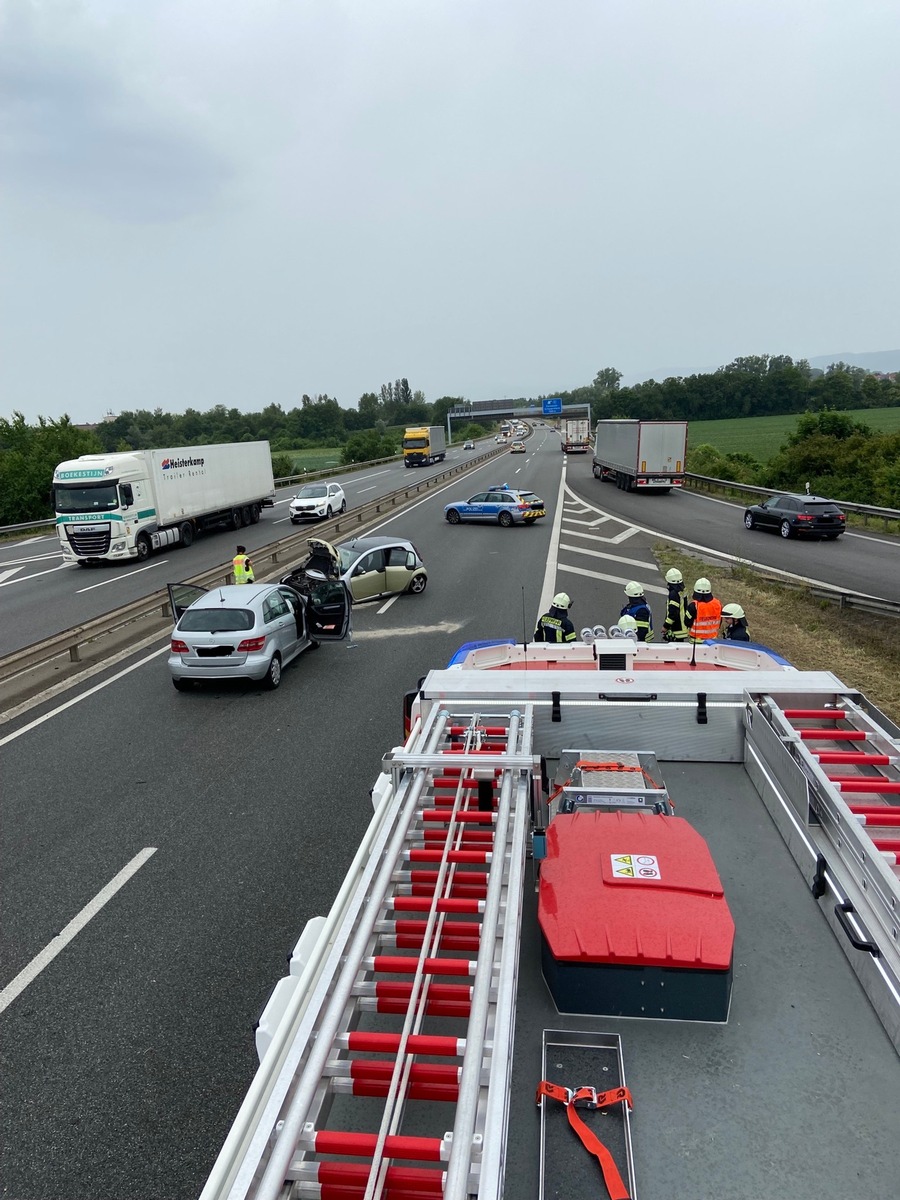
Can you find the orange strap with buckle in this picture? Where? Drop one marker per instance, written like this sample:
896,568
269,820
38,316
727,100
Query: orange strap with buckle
589,1097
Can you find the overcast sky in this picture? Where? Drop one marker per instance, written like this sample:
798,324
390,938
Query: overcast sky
206,201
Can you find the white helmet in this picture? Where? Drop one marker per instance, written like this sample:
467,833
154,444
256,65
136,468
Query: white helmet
627,623
634,588
673,575
703,587
561,600
732,610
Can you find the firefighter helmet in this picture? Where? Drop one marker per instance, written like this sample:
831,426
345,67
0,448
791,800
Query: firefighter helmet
703,587
561,600
634,589
673,575
732,610
626,623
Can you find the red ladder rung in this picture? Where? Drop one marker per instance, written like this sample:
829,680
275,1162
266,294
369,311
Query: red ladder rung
433,1008
832,735
872,810
422,904
453,856
398,990
488,730
415,1091
398,964
887,845
466,817
816,714
405,1181
363,1145
851,756
887,820
469,889
456,928
469,839
435,1045
865,783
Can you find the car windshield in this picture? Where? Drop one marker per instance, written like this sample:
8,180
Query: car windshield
216,620
312,491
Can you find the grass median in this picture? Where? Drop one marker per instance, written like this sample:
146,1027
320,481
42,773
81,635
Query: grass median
862,649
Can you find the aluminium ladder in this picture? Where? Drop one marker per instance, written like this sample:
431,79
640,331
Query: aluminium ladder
397,1081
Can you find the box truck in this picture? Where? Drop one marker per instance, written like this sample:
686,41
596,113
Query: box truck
113,507
645,455
575,433
423,445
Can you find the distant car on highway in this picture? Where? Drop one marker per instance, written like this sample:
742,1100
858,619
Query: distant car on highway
518,448
500,504
317,501
468,445
252,630
795,516
370,567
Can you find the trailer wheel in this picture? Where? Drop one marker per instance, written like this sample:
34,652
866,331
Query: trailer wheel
255,510
247,514
143,547
236,519
187,534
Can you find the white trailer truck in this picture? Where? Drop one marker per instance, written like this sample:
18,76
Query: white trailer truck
575,433
643,455
115,507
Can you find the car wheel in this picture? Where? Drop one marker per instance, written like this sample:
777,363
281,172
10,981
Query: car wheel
273,675
453,516
785,529
180,685
329,513
343,506
187,534
749,521
143,547
505,520
417,584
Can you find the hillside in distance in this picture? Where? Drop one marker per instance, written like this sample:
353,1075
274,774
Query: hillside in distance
886,361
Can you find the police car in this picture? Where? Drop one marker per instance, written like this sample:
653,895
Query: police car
500,504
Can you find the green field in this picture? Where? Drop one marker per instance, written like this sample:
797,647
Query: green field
763,437
316,458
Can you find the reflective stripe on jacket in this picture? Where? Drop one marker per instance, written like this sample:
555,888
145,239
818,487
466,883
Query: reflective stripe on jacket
707,619
243,571
643,618
552,629
675,624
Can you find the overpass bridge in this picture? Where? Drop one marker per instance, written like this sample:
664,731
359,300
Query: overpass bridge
501,410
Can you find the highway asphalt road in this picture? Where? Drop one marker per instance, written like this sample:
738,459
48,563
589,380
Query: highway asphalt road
126,1055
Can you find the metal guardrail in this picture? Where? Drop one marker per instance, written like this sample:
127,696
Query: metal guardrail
866,510
280,553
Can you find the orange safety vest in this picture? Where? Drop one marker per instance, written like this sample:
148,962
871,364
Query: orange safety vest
707,619
243,571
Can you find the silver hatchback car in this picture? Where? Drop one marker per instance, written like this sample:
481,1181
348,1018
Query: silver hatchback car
251,631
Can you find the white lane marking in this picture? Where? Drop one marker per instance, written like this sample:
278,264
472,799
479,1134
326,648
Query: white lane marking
650,587
9,572
591,524
35,575
11,737
387,604
548,589
46,956
368,489
408,630
33,558
41,537
160,562
626,562
363,478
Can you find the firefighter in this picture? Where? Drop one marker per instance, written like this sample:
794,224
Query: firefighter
242,566
704,612
735,623
555,626
675,625
638,608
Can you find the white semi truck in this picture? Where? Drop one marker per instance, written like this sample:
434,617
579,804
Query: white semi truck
642,455
575,433
115,507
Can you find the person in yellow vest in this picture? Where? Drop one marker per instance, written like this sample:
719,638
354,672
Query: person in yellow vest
242,566
704,612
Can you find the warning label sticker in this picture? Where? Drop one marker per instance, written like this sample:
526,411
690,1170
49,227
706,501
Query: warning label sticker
635,866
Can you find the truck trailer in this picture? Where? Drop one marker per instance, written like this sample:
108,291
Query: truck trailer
115,507
645,455
575,433
424,445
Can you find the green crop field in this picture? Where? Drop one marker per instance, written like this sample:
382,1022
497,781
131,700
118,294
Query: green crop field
763,437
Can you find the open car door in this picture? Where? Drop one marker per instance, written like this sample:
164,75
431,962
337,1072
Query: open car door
182,596
328,604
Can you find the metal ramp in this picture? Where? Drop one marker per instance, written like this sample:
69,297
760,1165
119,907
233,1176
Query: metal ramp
836,800
395,1055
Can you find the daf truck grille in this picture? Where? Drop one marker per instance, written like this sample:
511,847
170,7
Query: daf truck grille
89,542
